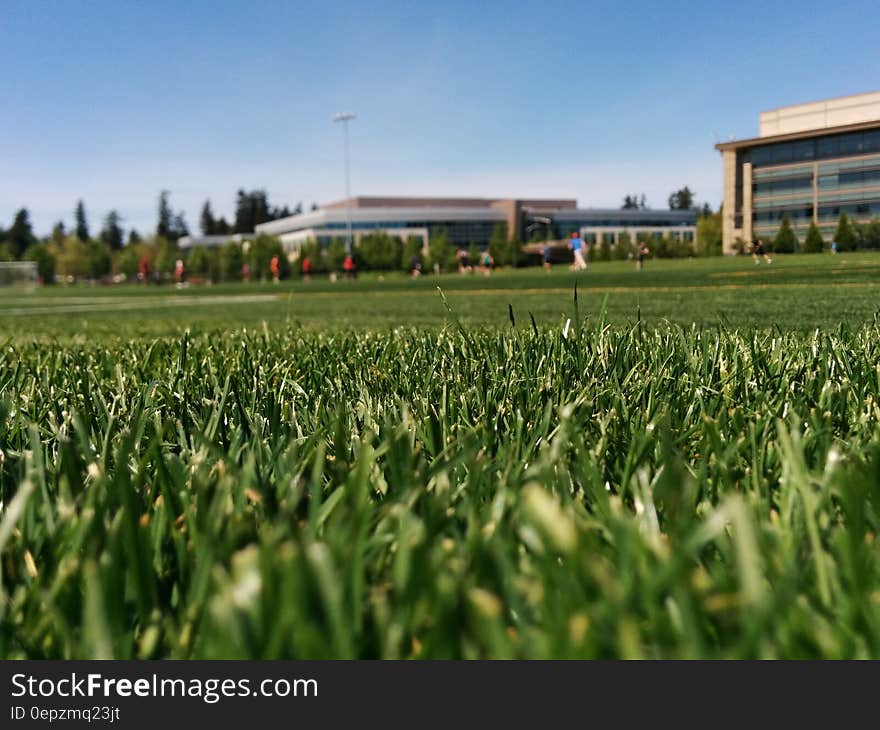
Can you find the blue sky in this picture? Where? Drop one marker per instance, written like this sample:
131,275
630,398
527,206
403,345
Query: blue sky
113,101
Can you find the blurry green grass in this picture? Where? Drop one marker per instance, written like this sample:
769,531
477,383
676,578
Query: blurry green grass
795,292
575,491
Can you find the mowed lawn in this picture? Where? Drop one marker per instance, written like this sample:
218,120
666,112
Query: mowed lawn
376,469
794,292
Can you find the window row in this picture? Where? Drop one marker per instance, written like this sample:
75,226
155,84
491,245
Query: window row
860,178
854,210
773,174
795,214
821,148
783,187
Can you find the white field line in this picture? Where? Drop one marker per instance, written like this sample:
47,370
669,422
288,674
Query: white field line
118,304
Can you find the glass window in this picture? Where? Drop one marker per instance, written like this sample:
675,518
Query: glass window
780,153
837,145
804,150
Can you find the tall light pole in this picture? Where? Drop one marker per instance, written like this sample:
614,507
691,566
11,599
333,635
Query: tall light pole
344,117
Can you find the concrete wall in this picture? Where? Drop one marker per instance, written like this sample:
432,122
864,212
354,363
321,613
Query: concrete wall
728,231
821,114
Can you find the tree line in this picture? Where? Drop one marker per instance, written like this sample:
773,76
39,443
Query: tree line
75,252
681,199
848,236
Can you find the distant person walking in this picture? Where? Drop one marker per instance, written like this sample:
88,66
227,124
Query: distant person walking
487,263
179,271
464,263
306,268
641,255
415,265
349,267
246,272
759,251
576,244
144,270
545,257
275,268
834,247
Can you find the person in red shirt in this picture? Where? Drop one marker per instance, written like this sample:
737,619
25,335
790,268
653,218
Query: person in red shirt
306,267
275,267
143,269
349,267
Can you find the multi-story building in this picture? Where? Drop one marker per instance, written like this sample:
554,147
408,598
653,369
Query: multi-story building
472,220
811,162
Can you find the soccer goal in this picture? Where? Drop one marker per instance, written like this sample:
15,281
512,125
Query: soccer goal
18,273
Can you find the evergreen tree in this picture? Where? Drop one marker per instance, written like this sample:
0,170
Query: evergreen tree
171,225
221,227
440,252
869,234
412,247
380,251
845,235
21,234
514,251
709,237
251,209
198,262
624,246
45,261
499,248
111,233
474,254
97,259
231,261
813,243
604,249
786,239
335,254
681,199
166,217
82,225
206,221
58,233
134,237
179,228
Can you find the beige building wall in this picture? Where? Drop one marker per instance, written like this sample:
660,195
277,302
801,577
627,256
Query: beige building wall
729,232
821,114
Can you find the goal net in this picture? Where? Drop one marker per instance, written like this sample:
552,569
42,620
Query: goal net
18,273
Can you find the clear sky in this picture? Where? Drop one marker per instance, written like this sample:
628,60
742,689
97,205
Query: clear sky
113,101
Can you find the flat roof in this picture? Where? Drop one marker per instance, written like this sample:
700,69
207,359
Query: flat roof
831,99
407,201
626,214
325,216
806,134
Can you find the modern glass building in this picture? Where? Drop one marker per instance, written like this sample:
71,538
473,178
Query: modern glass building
472,220
811,162
608,224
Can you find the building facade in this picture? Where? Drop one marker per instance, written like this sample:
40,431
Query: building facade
467,221
810,162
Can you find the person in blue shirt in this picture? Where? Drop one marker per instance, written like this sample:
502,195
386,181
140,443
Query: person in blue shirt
576,244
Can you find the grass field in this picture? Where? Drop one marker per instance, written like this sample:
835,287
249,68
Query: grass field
354,470
795,292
